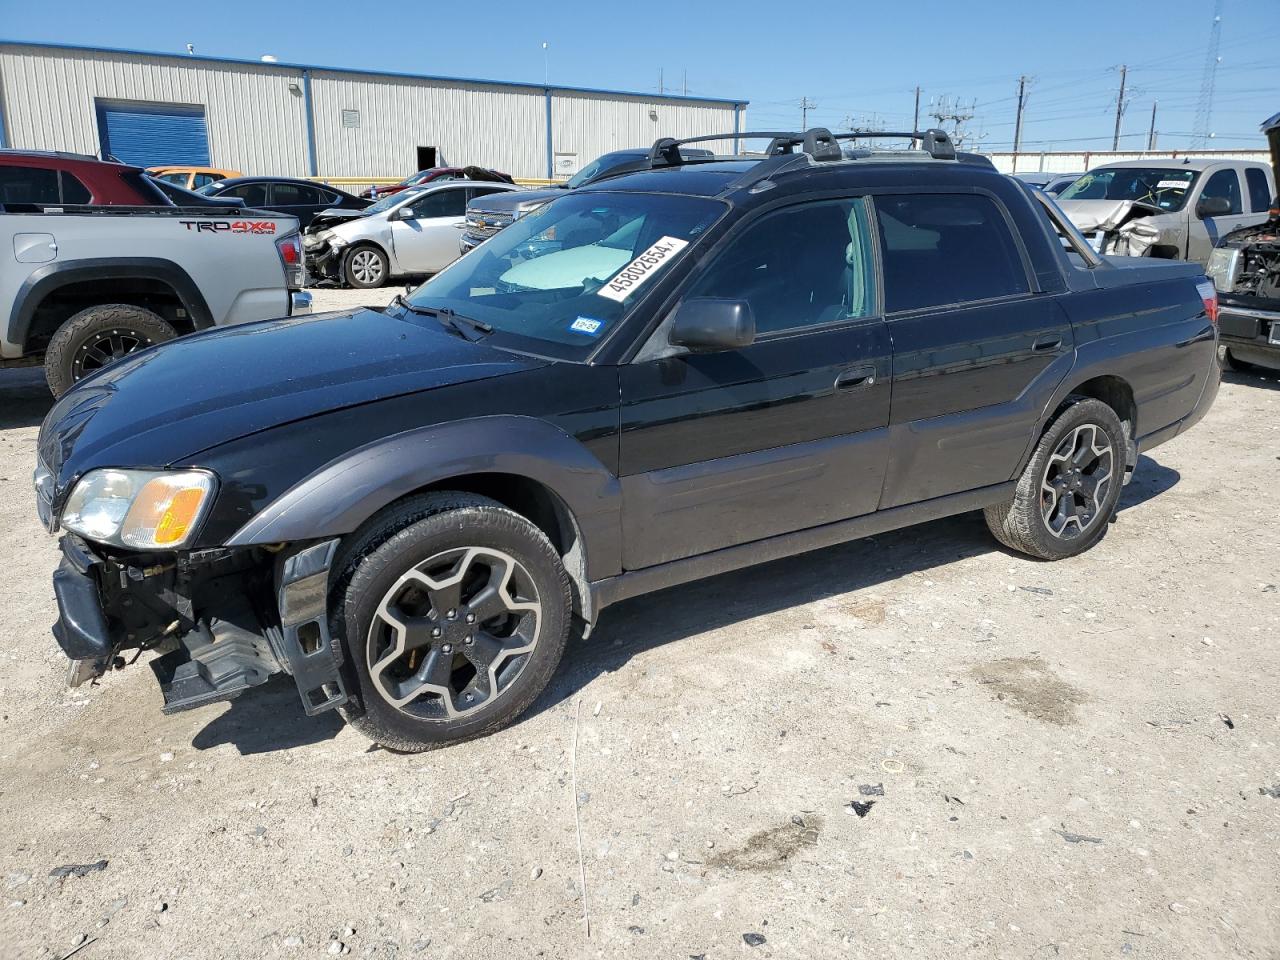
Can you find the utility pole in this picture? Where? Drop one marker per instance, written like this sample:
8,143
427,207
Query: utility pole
1017,125
958,115
685,83
661,88
1120,105
1151,134
915,124
805,106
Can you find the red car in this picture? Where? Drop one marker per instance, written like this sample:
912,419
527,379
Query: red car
437,174
33,176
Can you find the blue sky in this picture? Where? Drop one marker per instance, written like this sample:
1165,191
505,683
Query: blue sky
858,62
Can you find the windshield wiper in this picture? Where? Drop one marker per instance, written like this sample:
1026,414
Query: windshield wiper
456,322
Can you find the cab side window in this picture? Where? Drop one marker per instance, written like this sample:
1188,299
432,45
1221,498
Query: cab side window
940,249
804,266
442,203
1224,184
1259,189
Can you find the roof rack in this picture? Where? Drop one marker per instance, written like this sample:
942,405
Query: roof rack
818,143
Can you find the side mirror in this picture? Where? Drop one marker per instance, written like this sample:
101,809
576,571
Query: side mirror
404,213
707,325
1213,207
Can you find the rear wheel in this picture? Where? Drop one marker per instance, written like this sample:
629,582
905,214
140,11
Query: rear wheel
1229,362
455,612
366,267
97,337
1070,487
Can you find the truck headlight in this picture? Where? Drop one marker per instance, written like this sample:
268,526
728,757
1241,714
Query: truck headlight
139,509
1224,268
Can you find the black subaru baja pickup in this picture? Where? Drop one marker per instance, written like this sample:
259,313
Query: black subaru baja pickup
668,375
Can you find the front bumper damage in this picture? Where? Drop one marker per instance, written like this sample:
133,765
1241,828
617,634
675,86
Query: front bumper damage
222,621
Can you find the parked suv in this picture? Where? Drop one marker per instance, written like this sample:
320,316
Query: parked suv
45,177
660,377
487,216
1175,209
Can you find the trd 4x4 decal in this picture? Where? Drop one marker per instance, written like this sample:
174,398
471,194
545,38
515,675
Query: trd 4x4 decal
234,226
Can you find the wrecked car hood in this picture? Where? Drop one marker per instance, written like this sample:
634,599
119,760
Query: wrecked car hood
332,217
1092,215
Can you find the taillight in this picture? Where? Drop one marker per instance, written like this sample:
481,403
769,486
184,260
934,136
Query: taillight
1209,294
290,250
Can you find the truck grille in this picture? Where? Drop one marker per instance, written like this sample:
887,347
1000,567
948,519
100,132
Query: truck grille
482,226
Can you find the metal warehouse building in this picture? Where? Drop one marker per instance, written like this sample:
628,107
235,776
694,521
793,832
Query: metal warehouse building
293,119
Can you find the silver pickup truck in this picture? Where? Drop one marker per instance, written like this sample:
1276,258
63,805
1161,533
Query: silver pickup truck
82,287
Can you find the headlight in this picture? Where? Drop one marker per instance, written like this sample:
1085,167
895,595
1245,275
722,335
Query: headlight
1224,268
139,509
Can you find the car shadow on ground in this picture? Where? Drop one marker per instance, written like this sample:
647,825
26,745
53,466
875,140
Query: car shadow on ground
24,397
267,719
1259,379
634,626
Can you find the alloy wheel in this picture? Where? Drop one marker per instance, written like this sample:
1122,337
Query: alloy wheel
1076,480
453,633
106,348
366,266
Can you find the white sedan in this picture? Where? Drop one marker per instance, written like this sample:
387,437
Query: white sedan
413,232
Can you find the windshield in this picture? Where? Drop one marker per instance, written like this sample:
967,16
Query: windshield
1163,187
599,165
209,189
568,272
391,200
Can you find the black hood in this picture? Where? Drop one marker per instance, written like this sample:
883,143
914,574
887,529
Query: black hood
171,402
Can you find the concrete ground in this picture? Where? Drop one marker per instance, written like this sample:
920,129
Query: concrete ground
917,745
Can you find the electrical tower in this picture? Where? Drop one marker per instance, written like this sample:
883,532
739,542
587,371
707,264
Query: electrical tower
944,112
1202,129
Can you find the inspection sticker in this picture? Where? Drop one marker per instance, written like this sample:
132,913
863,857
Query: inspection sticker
1173,185
586,325
642,268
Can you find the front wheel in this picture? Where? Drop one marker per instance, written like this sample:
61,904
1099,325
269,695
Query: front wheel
455,612
366,267
97,337
1068,492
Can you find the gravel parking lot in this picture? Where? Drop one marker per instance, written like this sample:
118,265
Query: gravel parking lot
916,745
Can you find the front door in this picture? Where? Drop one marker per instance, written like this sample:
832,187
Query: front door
426,237
724,448
298,200
970,340
1203,234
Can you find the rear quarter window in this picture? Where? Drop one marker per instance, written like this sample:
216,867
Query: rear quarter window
940,249
28,185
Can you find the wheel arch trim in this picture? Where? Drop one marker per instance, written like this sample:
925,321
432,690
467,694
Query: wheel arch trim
339,496
52,277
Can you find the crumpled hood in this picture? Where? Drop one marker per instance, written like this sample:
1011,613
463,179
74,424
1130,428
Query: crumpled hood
507,200
170,402
1093,215
332,217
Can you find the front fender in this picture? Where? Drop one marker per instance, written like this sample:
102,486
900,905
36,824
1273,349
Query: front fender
339,496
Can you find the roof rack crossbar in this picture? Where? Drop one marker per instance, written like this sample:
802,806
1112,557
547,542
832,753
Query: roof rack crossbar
819,143
937,143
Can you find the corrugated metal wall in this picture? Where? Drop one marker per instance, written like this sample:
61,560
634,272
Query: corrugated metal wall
255,124
258,125
498,127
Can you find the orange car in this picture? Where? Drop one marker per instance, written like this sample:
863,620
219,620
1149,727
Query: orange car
191,177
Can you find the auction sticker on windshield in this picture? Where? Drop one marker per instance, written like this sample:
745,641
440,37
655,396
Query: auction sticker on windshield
640,269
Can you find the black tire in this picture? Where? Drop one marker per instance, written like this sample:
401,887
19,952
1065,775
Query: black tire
1020,523
98,336
1229,362
371,567
366,267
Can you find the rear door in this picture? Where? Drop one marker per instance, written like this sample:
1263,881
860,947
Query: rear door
299,200
426,238
724,448
971,339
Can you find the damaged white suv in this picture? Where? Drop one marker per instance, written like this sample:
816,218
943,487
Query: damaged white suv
1176,209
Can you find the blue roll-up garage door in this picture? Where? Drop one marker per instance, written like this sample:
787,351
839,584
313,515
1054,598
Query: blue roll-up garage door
153,134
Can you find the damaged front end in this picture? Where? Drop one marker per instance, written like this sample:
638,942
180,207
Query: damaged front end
221,620
1122,228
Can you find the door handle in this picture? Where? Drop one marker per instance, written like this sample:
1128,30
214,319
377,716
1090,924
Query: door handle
855,377
1046,344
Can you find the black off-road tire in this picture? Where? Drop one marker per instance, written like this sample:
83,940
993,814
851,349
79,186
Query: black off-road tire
362,279
373,559
1019,524
63,362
